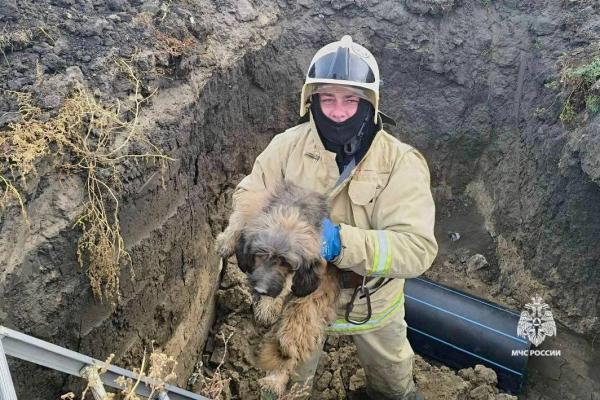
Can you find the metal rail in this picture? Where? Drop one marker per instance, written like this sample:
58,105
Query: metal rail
28,348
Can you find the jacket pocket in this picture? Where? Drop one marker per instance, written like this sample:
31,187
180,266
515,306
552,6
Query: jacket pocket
362,192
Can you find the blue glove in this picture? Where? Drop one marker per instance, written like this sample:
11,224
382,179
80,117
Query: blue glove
331,243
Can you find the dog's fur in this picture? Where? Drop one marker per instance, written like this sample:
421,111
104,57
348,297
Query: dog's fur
277,238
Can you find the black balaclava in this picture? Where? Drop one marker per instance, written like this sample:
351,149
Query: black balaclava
346,139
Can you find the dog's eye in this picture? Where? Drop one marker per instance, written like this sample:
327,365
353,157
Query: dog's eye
284,263
259,258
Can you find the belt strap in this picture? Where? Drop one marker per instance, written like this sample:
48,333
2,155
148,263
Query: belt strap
350,279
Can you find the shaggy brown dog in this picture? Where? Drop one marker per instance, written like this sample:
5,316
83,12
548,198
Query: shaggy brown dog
277,237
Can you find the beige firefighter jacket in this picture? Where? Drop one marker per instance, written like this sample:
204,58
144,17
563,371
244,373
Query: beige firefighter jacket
384,207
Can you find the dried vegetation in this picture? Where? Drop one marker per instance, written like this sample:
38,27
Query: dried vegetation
157,376
15,40
91,138
580,81
215,385
160,373
167,42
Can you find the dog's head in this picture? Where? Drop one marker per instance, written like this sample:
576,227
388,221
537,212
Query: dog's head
279,244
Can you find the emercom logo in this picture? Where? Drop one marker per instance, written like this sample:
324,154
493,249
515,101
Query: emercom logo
535,324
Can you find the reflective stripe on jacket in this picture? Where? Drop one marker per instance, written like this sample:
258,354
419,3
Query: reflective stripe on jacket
384,207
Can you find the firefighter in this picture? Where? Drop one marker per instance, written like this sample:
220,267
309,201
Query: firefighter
380,230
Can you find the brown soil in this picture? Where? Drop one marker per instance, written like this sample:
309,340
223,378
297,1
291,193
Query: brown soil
474,85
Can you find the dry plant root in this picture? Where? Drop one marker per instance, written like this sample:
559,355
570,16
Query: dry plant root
161,372
88,137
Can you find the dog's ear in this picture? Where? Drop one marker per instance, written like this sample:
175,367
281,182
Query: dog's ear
244,258
306,278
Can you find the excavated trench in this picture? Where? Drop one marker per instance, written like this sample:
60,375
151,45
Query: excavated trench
468,84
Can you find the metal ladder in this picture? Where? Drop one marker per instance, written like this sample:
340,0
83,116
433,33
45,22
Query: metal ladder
28,348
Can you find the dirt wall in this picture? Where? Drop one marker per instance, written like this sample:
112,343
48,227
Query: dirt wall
467,82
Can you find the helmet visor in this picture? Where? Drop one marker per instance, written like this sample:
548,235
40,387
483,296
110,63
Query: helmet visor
342,65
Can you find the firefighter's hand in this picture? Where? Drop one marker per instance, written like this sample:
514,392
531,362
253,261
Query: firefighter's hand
331,243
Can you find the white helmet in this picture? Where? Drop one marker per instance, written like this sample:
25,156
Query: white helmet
343,63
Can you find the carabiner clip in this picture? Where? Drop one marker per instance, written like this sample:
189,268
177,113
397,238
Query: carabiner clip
364,290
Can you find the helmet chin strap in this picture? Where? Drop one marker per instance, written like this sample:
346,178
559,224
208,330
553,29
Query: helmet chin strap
352,146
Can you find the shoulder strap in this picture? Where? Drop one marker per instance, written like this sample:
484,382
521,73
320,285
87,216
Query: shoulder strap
346,172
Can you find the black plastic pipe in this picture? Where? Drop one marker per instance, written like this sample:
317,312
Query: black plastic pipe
462,330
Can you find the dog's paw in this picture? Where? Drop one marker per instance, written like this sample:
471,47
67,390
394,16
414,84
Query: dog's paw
267,310
275,383
225,245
